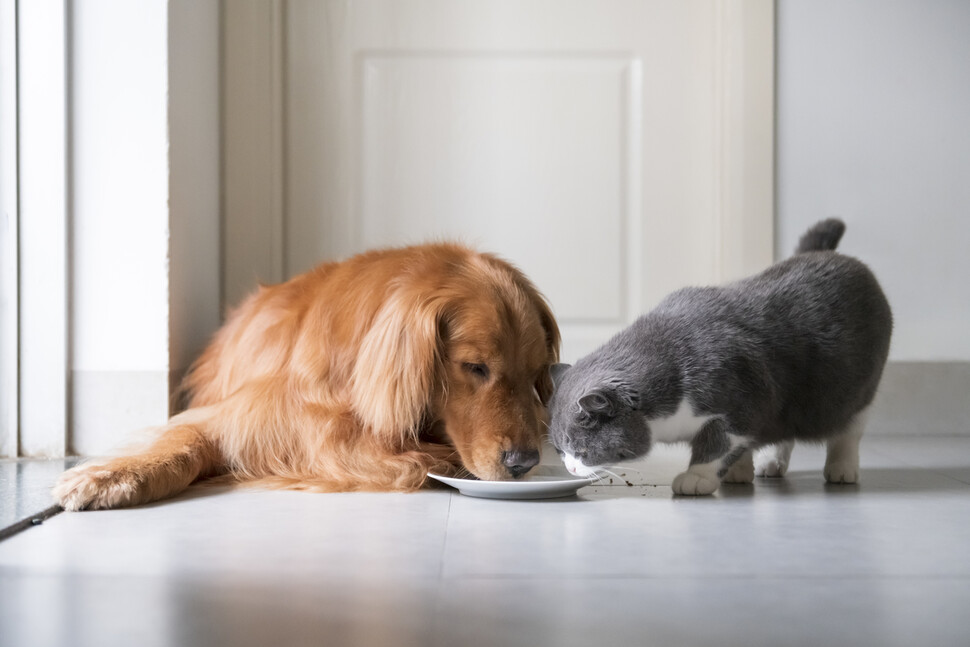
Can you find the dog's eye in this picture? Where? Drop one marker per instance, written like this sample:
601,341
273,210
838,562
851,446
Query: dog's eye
478,370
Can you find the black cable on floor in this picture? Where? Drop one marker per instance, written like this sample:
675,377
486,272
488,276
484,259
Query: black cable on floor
32,520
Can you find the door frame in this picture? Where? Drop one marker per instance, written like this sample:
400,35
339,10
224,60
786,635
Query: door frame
118,258
9,234
36,188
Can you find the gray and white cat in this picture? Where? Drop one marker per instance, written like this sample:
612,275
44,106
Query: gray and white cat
793,353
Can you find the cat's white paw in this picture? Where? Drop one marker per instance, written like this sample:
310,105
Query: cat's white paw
842,472
740,472
90,487
842,453
772,461
693,484
771,467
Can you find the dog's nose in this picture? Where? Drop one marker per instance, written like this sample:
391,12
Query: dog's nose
519,462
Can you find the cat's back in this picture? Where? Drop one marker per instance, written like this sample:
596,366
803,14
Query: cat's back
799,346
819,273
809,291
818,292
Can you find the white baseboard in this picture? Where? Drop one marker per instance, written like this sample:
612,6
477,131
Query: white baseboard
922,399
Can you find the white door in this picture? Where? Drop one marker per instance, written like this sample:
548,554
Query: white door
614,150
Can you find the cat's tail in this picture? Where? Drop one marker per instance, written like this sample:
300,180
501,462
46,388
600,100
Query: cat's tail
823,235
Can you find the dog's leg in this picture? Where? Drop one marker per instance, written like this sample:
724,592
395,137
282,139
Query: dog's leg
181,454
446,460
300,438
264,435
371,466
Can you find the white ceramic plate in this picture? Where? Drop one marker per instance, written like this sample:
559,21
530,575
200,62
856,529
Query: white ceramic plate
544,482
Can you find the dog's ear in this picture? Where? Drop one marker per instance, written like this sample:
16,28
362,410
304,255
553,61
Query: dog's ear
557,372
549,382
553,338
545,387
545,384
400,366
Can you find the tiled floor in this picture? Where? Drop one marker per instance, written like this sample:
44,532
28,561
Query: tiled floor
782,562
25,491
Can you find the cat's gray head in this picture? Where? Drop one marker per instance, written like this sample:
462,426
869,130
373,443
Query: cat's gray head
595,419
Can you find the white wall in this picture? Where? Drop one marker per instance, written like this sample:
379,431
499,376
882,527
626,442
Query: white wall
144,208
194,179
120,186
873,101
119,219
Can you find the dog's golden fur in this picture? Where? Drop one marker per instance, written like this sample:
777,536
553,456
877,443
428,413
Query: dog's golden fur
359,375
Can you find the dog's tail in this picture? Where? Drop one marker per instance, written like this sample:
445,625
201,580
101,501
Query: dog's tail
822,236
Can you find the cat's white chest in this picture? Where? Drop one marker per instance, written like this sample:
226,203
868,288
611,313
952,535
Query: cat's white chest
679,427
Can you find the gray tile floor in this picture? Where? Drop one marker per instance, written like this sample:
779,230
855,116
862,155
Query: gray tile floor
782,562
25,491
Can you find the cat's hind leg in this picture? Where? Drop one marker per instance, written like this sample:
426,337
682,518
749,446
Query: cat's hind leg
842,451
714,449
742,471
772,461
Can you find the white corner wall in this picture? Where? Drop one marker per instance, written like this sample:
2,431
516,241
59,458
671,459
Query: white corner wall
873,98
119,220
873,101
194,180
144,208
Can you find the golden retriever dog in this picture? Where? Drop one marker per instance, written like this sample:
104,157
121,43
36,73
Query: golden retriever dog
358,375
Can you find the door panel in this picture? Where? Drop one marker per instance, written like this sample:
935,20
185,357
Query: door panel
588,143
523,154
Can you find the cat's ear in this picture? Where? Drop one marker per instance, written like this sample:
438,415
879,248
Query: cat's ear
597,402
608,401
556,372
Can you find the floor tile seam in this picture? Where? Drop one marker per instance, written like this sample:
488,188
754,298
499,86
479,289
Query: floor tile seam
956,435
902,462
908,464
65,572
430,579
624,486
29,521
444,539
725,577
954,478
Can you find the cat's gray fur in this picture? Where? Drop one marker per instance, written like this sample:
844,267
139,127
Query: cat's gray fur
793,353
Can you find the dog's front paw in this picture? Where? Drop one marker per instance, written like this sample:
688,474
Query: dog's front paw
93,487
693,484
